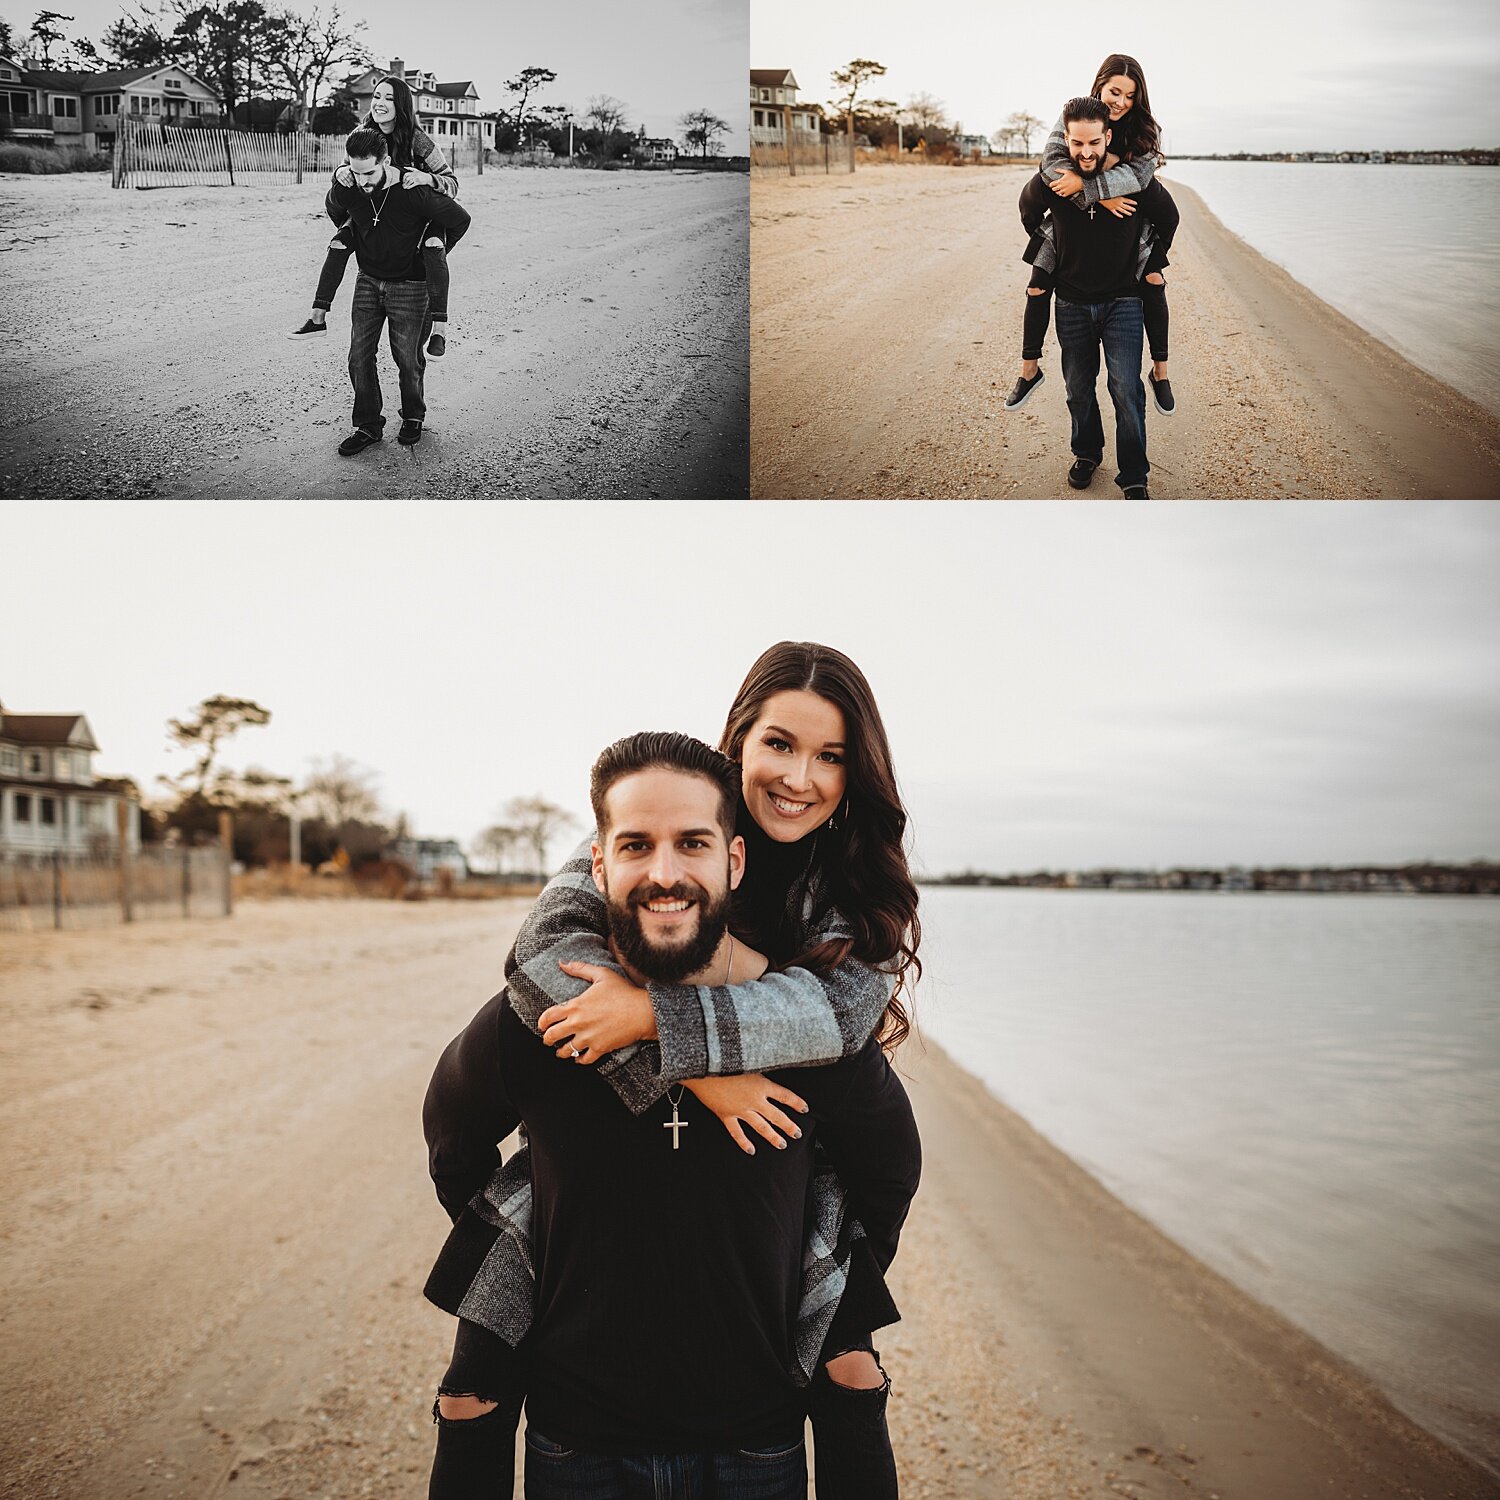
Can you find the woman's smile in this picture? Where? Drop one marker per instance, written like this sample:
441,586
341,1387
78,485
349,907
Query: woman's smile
792,765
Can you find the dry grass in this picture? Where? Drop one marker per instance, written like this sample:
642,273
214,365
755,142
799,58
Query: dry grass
18,157
383,882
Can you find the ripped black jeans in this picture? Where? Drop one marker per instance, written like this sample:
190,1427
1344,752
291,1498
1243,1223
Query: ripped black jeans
1039,316
434,261
476,1456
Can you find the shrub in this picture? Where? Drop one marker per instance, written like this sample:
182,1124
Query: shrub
16,156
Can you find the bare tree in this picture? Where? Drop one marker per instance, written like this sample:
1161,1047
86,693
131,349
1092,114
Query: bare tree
497,843
537,822
606,113
526,83
927,111
305,49
215,720
341,791
700,129
1023,126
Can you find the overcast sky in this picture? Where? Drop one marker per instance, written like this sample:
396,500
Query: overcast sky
662,57
1064,686
1246,75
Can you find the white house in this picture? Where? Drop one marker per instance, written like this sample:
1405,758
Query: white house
427,856
448,112
85,109
49,799
773,94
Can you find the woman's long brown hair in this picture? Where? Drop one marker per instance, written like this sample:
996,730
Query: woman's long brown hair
861,860
1142,135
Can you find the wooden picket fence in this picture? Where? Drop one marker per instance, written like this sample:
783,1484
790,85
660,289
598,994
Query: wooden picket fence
160,156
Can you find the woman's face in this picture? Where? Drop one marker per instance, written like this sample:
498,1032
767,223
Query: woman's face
792,765
383,109
1118,96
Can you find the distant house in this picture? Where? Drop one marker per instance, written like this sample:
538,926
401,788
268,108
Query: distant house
50,799
427,856
658,148
968,145
773,94
448,112
85,109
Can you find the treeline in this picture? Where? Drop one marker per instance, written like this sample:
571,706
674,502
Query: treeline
1479,877
336,806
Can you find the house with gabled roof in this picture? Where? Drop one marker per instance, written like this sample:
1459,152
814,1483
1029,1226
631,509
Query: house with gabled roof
448,112
773,96
50,798
85,109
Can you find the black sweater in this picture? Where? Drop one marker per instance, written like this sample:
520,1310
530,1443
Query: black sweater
1098,254
667,1281
392,250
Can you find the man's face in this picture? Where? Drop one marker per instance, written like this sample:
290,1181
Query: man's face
666,868
368,171
1088,141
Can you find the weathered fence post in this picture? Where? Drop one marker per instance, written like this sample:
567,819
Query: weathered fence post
226,838
229,158
300,139
786,131
122,825
57,901
117,163
187,882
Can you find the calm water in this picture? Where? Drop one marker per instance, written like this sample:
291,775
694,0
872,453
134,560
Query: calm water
1410,253
1302,1090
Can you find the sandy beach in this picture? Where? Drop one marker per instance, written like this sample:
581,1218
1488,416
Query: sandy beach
885,335
598,345
217,1222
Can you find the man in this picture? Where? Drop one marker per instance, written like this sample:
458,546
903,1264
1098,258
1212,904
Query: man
388,224
667,1259
1101,258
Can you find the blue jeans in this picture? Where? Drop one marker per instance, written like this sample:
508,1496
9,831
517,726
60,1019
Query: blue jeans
557,1473
1119,326
404,305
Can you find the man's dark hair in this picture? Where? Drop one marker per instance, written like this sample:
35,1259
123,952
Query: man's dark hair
367,144
673,752
1082,108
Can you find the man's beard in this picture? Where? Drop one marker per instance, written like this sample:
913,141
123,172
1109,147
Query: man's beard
672,963
1092,171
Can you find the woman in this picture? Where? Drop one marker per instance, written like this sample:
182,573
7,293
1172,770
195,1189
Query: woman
827,893
422,164
1135,137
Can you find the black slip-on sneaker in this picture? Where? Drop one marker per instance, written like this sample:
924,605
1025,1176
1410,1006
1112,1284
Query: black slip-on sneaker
437,346
1020,393
411,432
308,327
1161,392
1081,475
1137,492
357,441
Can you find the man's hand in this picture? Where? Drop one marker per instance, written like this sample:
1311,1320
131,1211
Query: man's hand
411,177
609,1014
750,1099
1067,184
1121,208
1156,278
343,176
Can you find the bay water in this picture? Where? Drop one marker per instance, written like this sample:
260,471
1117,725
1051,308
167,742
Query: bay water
1302,1090
1410,253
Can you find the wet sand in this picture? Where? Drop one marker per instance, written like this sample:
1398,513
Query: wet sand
218,1220
886,331
597,351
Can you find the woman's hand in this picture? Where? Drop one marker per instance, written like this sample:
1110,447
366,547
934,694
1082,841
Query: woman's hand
609,1014
1068,184
750,1099
343,176
411,177
1121,208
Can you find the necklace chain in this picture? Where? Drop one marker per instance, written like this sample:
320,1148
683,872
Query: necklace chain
674,1124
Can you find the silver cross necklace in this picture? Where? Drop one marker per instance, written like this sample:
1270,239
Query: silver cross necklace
378,211
676,1124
